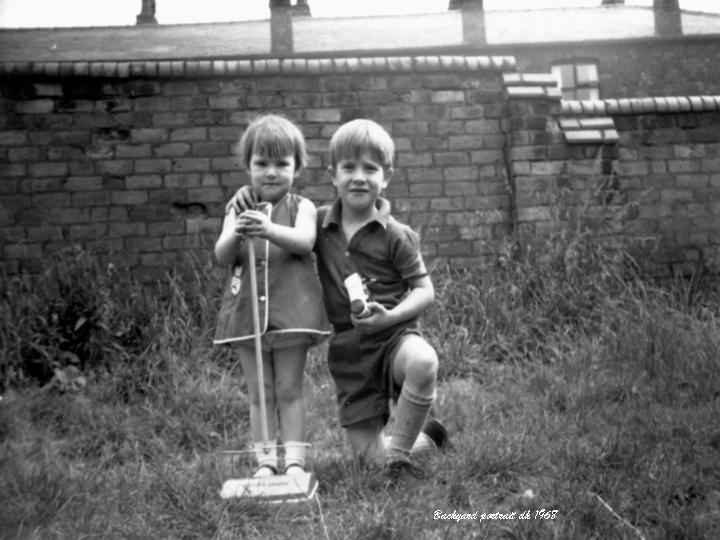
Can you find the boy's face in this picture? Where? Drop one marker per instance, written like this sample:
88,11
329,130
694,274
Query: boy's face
359,181
272,177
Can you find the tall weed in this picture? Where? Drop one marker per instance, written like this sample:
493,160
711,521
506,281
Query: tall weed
80,315
512,310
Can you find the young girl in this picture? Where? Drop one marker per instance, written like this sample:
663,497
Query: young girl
292,316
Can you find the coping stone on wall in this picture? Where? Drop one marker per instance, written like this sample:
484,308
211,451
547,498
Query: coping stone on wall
580,125
262,66
531,86
646,105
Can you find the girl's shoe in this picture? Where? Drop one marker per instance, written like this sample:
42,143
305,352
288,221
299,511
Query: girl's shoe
263,471
294,469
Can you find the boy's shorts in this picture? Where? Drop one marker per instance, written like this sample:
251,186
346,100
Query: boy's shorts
361,366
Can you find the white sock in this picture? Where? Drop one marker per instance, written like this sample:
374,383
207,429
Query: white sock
295,455
266,457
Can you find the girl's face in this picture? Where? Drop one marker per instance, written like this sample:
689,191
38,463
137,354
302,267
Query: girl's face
272,177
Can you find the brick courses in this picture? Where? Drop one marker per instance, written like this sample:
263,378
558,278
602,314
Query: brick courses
138,157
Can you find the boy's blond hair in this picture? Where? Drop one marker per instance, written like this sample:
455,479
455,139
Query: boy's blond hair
357,137
272,136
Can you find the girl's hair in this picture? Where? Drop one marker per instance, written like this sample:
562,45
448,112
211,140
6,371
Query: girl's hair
359,136
272,136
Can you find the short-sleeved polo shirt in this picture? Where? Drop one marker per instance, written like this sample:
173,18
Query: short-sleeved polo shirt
385,252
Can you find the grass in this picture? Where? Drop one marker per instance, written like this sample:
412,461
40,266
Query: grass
568,384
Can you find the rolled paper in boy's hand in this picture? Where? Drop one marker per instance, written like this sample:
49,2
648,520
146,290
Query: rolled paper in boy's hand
358,296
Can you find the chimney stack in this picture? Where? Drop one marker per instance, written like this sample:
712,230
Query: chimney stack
465,4
281,26
668,21
302,9
147,13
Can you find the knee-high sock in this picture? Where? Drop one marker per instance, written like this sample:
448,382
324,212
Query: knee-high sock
295,453
269,457
410,415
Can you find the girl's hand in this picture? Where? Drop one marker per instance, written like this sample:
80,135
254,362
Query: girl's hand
254,223
379,319
245,198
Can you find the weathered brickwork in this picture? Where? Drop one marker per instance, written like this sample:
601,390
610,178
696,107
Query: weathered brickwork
658,185
141,167
136,159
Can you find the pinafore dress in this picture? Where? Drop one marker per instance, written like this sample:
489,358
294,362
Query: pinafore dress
289,293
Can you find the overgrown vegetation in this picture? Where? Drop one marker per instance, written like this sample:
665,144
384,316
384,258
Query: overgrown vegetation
568,383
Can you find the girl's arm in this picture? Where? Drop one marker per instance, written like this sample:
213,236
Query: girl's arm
299,239
227,246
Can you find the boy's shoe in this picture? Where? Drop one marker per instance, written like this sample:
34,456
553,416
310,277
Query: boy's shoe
399,468
437,433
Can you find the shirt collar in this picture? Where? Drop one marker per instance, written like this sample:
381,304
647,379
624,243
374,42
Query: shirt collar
382,215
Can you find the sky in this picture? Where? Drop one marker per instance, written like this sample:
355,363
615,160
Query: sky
64,13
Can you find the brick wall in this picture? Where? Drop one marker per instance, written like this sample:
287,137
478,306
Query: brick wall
653,178
136,159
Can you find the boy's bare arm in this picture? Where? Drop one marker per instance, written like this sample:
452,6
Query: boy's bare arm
420,297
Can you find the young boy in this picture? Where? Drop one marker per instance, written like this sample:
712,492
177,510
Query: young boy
381,355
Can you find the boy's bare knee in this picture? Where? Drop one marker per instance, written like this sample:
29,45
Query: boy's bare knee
422,370
421,362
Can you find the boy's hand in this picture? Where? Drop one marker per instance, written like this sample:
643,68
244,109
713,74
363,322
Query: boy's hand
254,223
379,319
245,198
